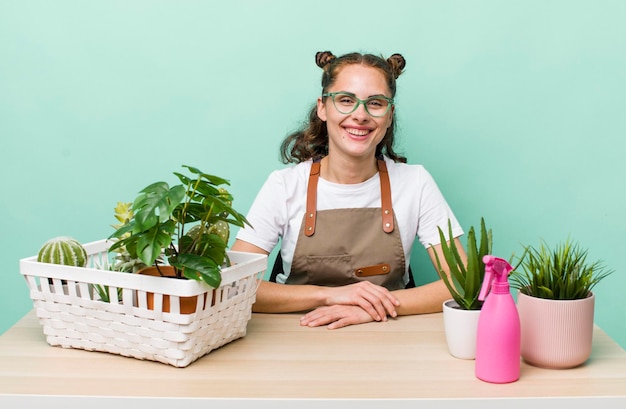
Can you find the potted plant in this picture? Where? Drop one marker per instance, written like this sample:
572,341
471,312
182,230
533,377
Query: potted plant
178,231
100,305
556,303
460,314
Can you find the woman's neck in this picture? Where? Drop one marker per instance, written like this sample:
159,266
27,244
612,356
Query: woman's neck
348,171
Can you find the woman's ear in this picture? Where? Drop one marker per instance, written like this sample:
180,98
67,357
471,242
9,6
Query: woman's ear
321,109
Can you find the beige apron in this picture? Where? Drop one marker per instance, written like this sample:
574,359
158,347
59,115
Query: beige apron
343,246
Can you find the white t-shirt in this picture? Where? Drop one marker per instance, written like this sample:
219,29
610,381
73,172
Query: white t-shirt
277,211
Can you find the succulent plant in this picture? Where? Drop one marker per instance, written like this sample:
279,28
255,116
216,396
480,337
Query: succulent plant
104,290
465,279
124,261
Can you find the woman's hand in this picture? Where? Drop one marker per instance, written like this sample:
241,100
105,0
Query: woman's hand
336,316
375,300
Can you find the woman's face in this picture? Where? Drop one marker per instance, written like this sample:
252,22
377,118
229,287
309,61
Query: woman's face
356,134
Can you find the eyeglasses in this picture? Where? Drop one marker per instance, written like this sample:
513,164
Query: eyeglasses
347,103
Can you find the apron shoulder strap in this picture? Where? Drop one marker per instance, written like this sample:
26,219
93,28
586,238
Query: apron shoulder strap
311,198
385,195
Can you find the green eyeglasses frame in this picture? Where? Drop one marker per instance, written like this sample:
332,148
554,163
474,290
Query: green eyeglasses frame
332,95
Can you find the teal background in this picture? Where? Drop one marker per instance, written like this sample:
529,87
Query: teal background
515,107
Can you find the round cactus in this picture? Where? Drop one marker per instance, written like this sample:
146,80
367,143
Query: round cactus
222,229
63,250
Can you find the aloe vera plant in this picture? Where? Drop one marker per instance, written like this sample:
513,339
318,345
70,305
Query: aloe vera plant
559,273
465,278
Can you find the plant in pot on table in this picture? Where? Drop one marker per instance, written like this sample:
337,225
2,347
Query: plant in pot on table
180,231
460,314
556,304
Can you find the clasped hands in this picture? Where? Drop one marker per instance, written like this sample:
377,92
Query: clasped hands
353,304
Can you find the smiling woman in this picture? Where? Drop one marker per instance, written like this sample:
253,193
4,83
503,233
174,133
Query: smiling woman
345,211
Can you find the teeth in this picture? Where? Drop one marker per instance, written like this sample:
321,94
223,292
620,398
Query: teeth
357,132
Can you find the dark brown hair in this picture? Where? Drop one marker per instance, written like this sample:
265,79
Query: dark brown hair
311,142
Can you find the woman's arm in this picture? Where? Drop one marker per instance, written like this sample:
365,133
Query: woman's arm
377,301
428,298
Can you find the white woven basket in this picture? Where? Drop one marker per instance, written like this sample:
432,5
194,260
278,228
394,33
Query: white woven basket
73,316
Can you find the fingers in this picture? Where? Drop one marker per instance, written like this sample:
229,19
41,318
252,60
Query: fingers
335,316
377,301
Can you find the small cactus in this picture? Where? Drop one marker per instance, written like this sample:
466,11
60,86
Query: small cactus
219,228
63,250
222,229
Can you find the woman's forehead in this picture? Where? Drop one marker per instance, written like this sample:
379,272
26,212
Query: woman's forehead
360,79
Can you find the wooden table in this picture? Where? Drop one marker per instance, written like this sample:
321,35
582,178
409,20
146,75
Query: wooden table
279,364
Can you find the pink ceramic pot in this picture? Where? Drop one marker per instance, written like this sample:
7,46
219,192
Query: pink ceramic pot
555,333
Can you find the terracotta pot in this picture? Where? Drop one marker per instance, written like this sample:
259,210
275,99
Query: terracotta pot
460,328
187,304
556,333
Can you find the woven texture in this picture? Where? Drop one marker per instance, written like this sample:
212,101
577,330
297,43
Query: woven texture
73,315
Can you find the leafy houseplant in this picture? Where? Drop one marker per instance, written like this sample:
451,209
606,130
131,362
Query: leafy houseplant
185,226
562,273
465,278
556,304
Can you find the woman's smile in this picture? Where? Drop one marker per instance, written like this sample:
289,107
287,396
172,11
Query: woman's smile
357,132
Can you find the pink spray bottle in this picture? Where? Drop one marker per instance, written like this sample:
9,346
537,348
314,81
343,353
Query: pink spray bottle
498,336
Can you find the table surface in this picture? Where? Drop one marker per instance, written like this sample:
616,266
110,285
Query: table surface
405,358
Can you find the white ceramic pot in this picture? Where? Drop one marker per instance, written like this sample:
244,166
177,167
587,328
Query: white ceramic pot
460,328
555,333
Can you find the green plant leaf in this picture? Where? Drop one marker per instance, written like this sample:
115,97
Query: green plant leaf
150,244
473,278
456,272
123,229
200,268
155,204
215,180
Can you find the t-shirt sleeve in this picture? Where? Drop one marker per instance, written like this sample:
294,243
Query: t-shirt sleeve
434,212
267,215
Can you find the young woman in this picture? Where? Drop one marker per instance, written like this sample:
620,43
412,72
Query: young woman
349,209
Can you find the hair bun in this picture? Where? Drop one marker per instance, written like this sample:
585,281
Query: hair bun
322,58
397,63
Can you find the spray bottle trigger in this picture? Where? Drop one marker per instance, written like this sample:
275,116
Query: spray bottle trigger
496,269
484,290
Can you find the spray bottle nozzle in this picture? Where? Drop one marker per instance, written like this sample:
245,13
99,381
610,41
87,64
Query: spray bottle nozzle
496,270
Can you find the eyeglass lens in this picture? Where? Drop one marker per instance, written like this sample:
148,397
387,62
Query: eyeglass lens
346,104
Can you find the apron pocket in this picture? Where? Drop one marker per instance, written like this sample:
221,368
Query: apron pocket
330,271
